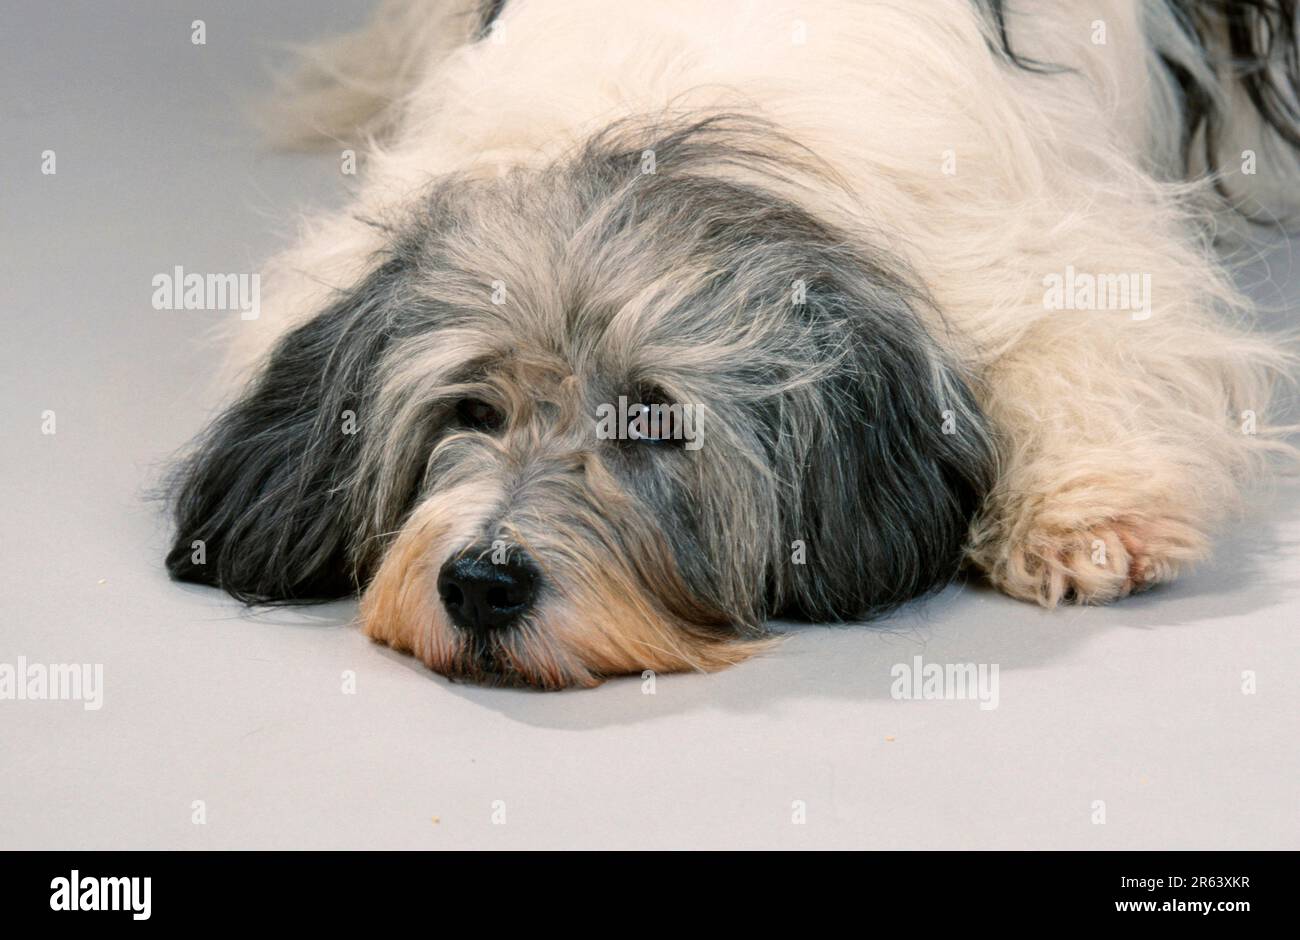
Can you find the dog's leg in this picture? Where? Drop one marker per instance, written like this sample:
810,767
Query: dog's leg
1123,442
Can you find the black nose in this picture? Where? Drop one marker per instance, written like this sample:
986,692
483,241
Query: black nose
483,596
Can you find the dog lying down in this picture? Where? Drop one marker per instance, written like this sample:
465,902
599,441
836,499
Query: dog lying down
650,321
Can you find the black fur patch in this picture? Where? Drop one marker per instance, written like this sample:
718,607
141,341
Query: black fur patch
266,490
1251,42
492,10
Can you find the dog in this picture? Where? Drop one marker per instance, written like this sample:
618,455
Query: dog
649,322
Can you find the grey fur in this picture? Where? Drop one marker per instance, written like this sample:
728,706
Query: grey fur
825,416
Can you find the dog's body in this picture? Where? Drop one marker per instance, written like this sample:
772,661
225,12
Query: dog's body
932,271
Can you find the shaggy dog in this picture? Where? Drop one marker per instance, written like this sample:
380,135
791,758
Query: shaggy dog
650,321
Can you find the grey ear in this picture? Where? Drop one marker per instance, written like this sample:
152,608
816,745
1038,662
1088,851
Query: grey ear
266,486
897,472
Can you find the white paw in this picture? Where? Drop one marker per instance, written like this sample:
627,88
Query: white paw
1094,563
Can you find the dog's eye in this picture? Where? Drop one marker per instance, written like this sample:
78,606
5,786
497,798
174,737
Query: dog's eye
654,421
479,415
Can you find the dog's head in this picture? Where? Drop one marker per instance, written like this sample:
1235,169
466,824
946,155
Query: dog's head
596,419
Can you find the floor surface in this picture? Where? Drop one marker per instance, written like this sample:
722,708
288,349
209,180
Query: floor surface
1126,727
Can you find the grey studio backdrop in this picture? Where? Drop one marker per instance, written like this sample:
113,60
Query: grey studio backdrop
221,728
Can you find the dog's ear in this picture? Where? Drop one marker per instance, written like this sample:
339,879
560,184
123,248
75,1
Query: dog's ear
262,503
899,461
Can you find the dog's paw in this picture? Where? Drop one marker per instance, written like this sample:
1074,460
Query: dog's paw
1094,563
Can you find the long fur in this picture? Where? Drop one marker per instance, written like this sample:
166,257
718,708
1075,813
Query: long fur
829,223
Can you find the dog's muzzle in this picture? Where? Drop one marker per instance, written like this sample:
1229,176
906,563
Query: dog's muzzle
482,596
